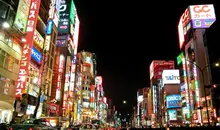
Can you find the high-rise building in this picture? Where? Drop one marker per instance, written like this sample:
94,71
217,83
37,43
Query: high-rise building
28,85
171,100
11,33
195,60
62,96
86,86
38,69
156,69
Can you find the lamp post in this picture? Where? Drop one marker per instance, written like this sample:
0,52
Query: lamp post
203,81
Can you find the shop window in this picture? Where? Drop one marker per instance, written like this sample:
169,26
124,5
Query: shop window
11,16
8,40
8,64
17,47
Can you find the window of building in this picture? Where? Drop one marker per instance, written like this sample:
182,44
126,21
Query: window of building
8,62
3,10
17,47
1,58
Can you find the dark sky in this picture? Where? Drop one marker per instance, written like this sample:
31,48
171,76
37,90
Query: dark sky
127,36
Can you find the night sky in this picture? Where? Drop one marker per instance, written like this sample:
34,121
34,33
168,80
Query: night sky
126,36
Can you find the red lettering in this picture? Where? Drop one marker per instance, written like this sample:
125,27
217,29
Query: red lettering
185,17
201,8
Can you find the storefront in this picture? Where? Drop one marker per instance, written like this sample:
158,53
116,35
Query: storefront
6,112
7,91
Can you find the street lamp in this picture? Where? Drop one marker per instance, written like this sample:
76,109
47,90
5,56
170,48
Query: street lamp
203,81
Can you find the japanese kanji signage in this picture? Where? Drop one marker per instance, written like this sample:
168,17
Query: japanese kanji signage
27,48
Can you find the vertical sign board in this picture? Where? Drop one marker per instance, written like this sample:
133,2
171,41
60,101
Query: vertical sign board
72,12
64,23
76,34
27,48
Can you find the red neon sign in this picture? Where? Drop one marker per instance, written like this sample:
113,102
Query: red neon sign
26,53
76,35
185,17
201,8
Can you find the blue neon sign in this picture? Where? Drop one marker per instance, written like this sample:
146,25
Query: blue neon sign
36,55
74,59
174,101
49,27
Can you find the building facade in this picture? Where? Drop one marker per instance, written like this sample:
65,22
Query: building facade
156,69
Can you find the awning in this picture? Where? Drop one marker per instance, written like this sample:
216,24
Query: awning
6,106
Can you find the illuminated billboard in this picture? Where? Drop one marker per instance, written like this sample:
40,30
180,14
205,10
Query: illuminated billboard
98,80
72,12
171,76
36,55
160,64
202,16
22,15
62,41
67,13
64,24
195,16
26,53
180,58
172,115
39,40
76,34
49,27
174,101
181,34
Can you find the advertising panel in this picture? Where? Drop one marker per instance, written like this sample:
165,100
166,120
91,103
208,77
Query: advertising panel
76,34
60,76
58,5
72,12
155,63
202,16
22,15
30,109
181,34
62,41
98,80
54,108
36,55
33,90
26,53
56,19
64,23
171,76
172,115
47,42
52,9
140,98
180,58
49,27
185,18
39,40
174,101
